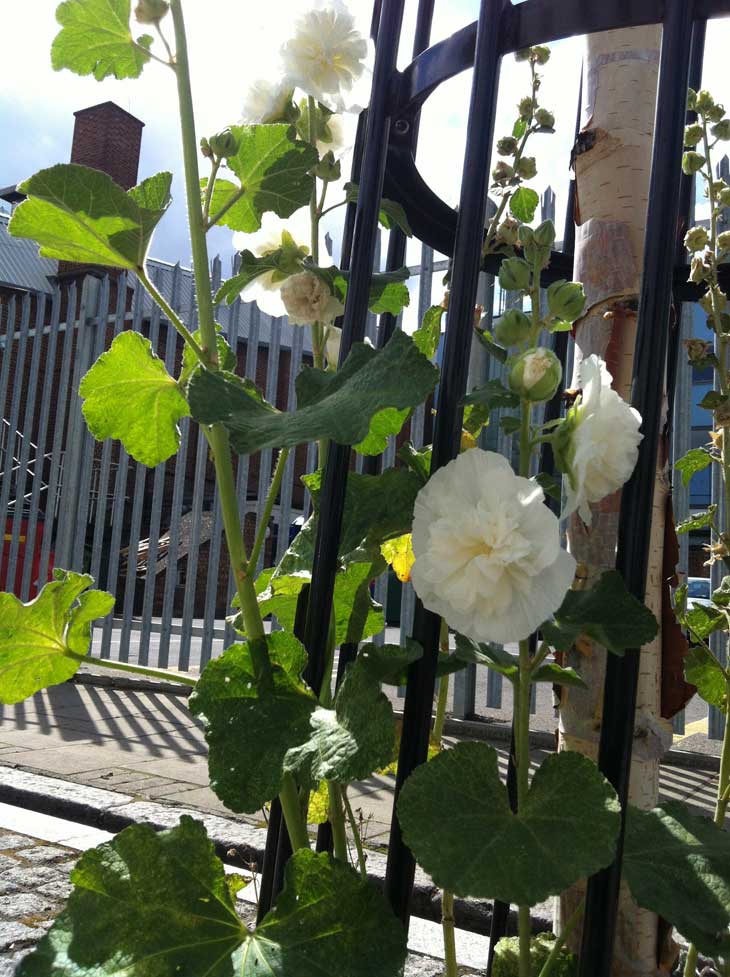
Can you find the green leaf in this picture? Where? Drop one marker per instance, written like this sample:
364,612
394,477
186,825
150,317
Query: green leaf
458,797
417,460
327,922
523,203
129,395
712,400
491,655
385,424
44,642
519,128
273,171
352,740
95,39
678,865
338,406
694,461
557,675
721,596
700,520
509,424
558,325
158,904
391,212
388,295
476,417
702,620
493,394
507,957
387,663
226,356
550,485
494,349
607,613
428,334
240,713
702,669
281,264
79,214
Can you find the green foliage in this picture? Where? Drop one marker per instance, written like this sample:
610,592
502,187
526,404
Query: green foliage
387,663
557,675
391,212
458,797
694,461
141,906
418,460
428,334
79,214
273,171
338,405
241,712
678,865
492,655
129,395
700,520
351,740
607,613
44,642
702,620
282,263
95,39
383,425
702,669
523,203
492,395
507,958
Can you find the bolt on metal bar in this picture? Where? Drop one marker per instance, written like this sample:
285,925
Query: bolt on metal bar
622,674
447,431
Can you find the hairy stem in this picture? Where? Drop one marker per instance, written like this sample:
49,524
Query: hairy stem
266,514
549,965
337,820
209,190
136,669
361,861
449,929
172,316
440,718
291,808
522,749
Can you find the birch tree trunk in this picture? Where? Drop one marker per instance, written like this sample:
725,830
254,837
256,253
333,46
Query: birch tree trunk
612,164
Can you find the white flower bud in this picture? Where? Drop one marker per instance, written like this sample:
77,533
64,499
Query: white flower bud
307,299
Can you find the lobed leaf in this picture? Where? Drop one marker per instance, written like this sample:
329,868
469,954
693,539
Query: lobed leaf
607,613
44,642
703,670
338,406
129,395
458,797
677,864
95,39
75,213
694,461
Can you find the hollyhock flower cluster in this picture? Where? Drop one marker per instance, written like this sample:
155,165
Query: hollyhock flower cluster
487,549
598,444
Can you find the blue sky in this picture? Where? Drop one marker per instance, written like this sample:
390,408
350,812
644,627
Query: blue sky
37,104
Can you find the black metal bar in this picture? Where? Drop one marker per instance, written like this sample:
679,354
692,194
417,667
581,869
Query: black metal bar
447,432
334,483
617,729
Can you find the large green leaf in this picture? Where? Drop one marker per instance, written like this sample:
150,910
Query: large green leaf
95,39
492,655
694,461
383,425
327,922
79,214
338,406
678,865
241,713
273,171
456,818
523,203
428,334
44,642
351,740
702,669
157,904
607,612
129,395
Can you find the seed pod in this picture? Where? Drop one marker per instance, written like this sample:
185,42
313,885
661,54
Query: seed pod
566,300
151,11
514,275
512,328
223,144
535,375
696,239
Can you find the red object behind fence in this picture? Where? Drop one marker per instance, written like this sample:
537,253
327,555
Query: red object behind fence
27,549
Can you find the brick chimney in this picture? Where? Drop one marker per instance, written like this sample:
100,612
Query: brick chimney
105,138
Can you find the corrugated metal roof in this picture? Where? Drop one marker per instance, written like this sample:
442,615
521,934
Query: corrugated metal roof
20,264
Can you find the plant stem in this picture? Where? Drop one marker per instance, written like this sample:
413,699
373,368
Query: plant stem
522,749
690,967
440,718
448,927
548,966
172,316
266,515
231,202
723,787
209,190
313,208
355,833
170,55
525,446
136,669
337,820
289,797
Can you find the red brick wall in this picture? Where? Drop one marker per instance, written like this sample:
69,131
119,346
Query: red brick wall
107,138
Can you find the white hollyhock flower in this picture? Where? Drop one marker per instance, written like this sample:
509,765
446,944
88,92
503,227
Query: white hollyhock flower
326,55
488,555
599,443
264,291
307,299
266,101
332,346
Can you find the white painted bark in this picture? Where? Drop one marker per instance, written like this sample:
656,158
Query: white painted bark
612,184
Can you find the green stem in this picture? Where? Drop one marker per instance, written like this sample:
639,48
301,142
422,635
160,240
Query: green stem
525,446
690,967
522,749
361,861
266,515
136,669
172,316
231,202
170,55
337,820
449,930
723,787
313,209
548,966
440,718
289,797
209,190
